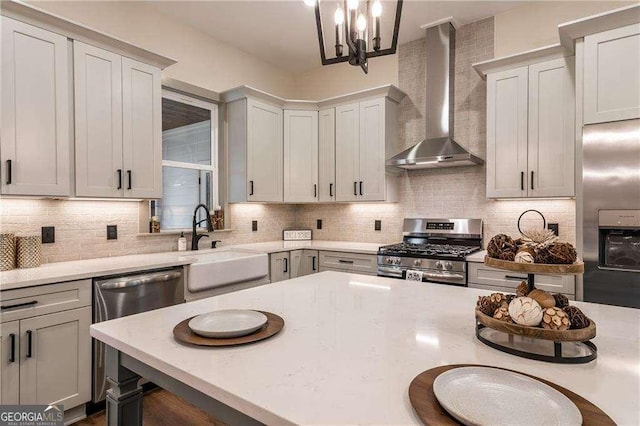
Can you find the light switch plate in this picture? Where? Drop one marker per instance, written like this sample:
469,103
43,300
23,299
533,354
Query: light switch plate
112,232
296,234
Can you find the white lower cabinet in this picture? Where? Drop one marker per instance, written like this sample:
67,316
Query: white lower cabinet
485,277
303,262
279,268
46,357
348,262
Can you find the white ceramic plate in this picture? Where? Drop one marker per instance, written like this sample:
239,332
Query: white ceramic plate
490,396
227,323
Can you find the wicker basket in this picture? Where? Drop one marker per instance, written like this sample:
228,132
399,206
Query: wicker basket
7,252
29,251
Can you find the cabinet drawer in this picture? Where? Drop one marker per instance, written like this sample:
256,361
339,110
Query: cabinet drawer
45,299
505,289
349,262
485,275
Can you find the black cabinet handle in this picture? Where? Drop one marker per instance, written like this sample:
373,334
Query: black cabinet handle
345,261
12,354
29,344
330,190
18,305
514,278
532,179
313,263
9,172
285,261
129,177
521,181
251,187
355,188
315,190
119,179
361,188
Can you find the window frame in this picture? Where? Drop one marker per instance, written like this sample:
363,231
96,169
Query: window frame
214,167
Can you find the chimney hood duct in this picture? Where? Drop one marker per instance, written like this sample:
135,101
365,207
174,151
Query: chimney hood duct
438,149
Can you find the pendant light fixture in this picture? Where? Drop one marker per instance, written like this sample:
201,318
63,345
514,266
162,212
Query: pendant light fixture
356,24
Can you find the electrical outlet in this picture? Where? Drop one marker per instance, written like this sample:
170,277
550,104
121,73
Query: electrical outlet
553,227
378,225
319,224
48,234
112,232
254,225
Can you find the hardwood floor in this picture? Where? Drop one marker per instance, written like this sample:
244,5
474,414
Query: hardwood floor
162,408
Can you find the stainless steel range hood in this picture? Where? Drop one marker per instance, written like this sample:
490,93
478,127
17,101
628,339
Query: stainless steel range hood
438,149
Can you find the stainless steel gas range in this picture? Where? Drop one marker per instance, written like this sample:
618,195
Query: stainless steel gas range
436,248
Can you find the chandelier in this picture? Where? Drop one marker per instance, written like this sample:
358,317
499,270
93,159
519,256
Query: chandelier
356,23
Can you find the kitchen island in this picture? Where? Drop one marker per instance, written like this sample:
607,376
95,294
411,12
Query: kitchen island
349,349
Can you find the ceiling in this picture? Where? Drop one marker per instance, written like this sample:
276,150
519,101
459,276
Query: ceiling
283,32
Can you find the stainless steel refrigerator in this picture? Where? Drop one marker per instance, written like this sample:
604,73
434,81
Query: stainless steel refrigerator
610,203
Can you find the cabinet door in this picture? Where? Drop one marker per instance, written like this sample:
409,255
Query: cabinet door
57,369
347,152
371,185
551,129
34,136
295,259
612,75
309,262
507,133
327,154
279,266
300,156
264,152
10,363
141,130
98,121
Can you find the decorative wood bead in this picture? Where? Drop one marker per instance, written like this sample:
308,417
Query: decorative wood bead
502,314
561,300
577,318
555,319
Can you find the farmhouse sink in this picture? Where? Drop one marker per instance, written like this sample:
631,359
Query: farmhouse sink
217,269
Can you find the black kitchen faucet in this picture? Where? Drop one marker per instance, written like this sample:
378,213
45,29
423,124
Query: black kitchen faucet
195,236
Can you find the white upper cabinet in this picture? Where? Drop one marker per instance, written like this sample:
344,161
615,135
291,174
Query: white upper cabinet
98,121
300,156
35,94
118,125
530,131
327,155
371,181
347,152
141,129
612,75
551,128
507,133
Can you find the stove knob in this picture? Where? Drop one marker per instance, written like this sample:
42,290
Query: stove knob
438,265
396,261
389,260
448,266
417,262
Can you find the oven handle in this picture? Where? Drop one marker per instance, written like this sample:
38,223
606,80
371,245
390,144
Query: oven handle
608,268
389,272
432,275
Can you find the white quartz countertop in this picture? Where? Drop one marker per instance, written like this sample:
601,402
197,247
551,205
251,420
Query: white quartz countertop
352,344
477,257
50,273
343,246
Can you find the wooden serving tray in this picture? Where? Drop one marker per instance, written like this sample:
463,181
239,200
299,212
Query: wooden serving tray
535,268
183,333
426,405
579,335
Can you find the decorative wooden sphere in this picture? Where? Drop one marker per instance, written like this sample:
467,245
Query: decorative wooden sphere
544,299
555,319
525,311
522,289
502,314
525,255
577,318
558,253
562,301
502,247
485,305
498,300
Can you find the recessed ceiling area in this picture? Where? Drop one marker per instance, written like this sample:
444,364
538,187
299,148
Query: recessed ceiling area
283,33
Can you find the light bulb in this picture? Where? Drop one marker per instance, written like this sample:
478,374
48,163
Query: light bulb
338,16
361,23
310,3
352,4
376,9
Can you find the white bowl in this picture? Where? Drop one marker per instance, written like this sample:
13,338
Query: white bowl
227,323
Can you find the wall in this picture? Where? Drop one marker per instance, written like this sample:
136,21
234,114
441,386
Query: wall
202,60
81,227
535,24
456,192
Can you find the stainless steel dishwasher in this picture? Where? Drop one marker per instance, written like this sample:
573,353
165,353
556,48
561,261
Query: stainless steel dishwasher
120,296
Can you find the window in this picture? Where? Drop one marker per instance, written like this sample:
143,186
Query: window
189,159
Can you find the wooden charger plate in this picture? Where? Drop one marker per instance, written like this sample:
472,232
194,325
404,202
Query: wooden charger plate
430,411
183,333
577,335
535,268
